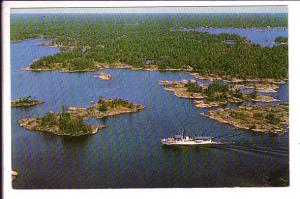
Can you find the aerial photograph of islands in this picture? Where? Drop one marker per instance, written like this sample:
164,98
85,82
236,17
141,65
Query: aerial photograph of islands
149,97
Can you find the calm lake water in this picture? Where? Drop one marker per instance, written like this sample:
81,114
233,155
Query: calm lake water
262,36
128,153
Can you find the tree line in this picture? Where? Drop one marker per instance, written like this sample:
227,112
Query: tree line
140,41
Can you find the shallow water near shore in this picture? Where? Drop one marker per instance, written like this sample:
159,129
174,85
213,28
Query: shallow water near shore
128,153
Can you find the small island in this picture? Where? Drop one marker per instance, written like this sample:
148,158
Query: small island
266,119
25,102
70,122
281,40
62,123
216,93
103,76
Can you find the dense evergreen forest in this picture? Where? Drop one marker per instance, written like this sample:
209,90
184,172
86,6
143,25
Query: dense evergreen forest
216,91
148,40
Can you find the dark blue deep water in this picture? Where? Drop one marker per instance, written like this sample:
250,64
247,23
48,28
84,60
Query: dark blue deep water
128,153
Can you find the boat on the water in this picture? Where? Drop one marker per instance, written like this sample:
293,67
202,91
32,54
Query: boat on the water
182,139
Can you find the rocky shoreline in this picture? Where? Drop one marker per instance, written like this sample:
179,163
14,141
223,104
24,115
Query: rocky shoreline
180,90
266,119
232,79
272,119
93,109
259,87
28,68
268,82
35,124
25,102
115,65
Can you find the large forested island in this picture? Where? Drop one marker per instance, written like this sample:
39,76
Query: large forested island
70,122
91,43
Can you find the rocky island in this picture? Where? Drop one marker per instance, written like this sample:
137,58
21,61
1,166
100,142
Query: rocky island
62,123
70,122
267,119
103,76
25,102
281,40
216,93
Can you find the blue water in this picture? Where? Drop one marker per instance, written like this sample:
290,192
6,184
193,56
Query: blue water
128,153
263,37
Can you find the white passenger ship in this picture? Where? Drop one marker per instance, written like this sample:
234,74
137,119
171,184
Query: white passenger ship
190,140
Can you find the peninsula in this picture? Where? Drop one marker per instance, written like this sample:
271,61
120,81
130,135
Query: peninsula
25,102
267,119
